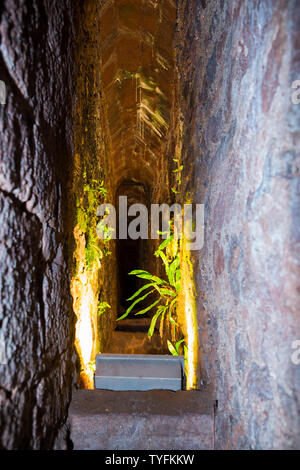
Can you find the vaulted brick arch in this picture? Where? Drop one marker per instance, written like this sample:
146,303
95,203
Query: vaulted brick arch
100,95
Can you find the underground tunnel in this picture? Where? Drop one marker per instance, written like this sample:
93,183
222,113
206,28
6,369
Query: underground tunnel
170,103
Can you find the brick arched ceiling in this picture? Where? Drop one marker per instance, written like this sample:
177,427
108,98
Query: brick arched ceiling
137,72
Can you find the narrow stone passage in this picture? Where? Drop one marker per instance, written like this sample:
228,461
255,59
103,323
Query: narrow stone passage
123,124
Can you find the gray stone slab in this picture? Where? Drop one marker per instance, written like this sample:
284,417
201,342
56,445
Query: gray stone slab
156,420
138,372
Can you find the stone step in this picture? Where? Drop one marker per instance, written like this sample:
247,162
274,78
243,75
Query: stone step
151,420
134,324
139,372
136,342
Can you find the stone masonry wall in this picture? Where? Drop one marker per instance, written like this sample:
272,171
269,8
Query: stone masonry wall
93,277
36,320
237,61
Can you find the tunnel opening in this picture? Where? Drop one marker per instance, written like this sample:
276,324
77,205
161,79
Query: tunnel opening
131,254
128,257
126,104
130,334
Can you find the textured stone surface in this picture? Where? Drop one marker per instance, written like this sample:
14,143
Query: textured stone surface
156,420
36,319
137,74
237,61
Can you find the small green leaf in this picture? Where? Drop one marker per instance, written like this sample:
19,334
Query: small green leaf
165,243
102,307
178,169
164,258
164,291
177,280
137,271
133,304
150,277
153,322
151,284
178,344
172,349
162,319
147,308
171,308
171,272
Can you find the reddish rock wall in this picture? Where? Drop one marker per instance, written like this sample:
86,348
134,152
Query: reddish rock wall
237,61
36,319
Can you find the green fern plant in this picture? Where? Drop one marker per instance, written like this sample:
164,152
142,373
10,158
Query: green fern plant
167,290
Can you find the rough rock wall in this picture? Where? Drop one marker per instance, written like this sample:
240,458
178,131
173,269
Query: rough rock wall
237,61
36,320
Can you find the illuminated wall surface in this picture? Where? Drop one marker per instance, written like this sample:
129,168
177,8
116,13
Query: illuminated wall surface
169,102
